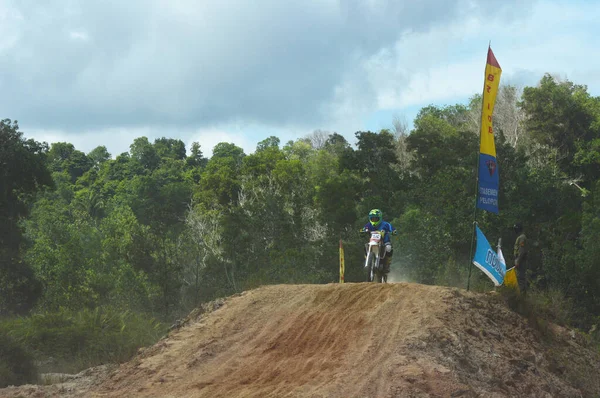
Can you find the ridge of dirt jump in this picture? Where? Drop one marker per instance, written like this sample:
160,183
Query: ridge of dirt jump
352,340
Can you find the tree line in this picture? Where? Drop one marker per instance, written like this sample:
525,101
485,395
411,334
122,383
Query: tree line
159,229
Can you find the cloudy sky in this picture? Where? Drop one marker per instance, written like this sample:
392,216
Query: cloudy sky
96,72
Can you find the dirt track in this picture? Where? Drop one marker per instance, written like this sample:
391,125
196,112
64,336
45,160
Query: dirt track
354,340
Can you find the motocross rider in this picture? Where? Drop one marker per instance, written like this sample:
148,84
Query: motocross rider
376,223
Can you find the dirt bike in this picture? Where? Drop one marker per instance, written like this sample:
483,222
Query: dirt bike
375,255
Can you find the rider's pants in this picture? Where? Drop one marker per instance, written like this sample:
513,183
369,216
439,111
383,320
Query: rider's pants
387,261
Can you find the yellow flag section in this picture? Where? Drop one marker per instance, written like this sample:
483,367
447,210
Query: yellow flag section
488,178
342,265
492,81
510,279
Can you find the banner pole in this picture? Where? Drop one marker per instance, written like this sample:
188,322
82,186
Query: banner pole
473,232
342,264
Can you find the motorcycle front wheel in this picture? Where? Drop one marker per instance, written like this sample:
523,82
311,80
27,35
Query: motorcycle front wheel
370,266
378,271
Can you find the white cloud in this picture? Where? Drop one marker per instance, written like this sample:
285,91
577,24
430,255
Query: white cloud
79,35
11,23
196,65
447,62
232,70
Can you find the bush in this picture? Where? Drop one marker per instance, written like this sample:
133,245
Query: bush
78,340
551,305
16,364
541,307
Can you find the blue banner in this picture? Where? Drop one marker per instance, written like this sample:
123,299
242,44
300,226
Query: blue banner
487,195
487,260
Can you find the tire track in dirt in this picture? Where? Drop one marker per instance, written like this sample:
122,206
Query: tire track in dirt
281,341
352,340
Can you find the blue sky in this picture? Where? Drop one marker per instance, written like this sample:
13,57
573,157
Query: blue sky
105,72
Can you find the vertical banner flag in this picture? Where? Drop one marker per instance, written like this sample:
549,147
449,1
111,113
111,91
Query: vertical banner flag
487,260
342,265
487,195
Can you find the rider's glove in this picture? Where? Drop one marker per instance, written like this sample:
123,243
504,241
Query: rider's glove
388,248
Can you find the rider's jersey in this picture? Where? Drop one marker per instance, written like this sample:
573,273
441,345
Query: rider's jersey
386,226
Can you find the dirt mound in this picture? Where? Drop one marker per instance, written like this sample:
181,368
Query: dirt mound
356,340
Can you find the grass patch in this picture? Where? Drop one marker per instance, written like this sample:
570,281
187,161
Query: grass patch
16,363
551,305
69,342
541,308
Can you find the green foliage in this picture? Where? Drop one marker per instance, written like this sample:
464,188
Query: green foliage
16,363
168,148
85,338
195,161
23,171
541,307
98,155
157,230
551,305
220,181
64,158
144,153
563,116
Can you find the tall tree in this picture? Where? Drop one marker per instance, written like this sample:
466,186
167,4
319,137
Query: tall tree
23,172
98,155
562,116
64,158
